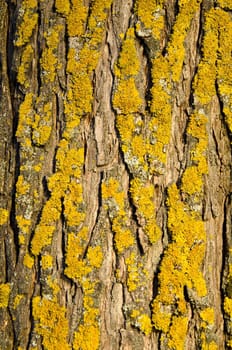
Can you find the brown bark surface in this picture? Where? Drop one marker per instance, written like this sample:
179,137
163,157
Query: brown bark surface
115,175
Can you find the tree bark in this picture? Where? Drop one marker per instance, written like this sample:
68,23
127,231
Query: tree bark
115,148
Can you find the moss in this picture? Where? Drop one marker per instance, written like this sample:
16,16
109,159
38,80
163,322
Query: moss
4,294
4,214
50,323
28,261
29,22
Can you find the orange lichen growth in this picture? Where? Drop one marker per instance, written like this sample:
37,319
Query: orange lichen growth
29,22
4,294
4,214
51,323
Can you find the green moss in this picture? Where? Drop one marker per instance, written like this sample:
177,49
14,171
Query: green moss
4,294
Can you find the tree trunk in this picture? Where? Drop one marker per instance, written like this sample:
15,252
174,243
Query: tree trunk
115,207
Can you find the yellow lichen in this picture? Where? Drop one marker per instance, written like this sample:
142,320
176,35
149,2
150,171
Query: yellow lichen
115,199
23,224
228,306
17,300
51,323
76,16
144,323
63,6
207,315
22,187
24,67
28,261
4,294
4,214
95,256
49,60
178,330
152,16
47,262
143,197
29,22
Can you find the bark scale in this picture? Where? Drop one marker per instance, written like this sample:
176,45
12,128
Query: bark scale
115,207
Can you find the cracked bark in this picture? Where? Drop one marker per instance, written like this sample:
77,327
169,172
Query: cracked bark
105,158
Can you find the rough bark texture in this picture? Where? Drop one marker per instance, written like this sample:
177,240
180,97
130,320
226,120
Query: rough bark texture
115,207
